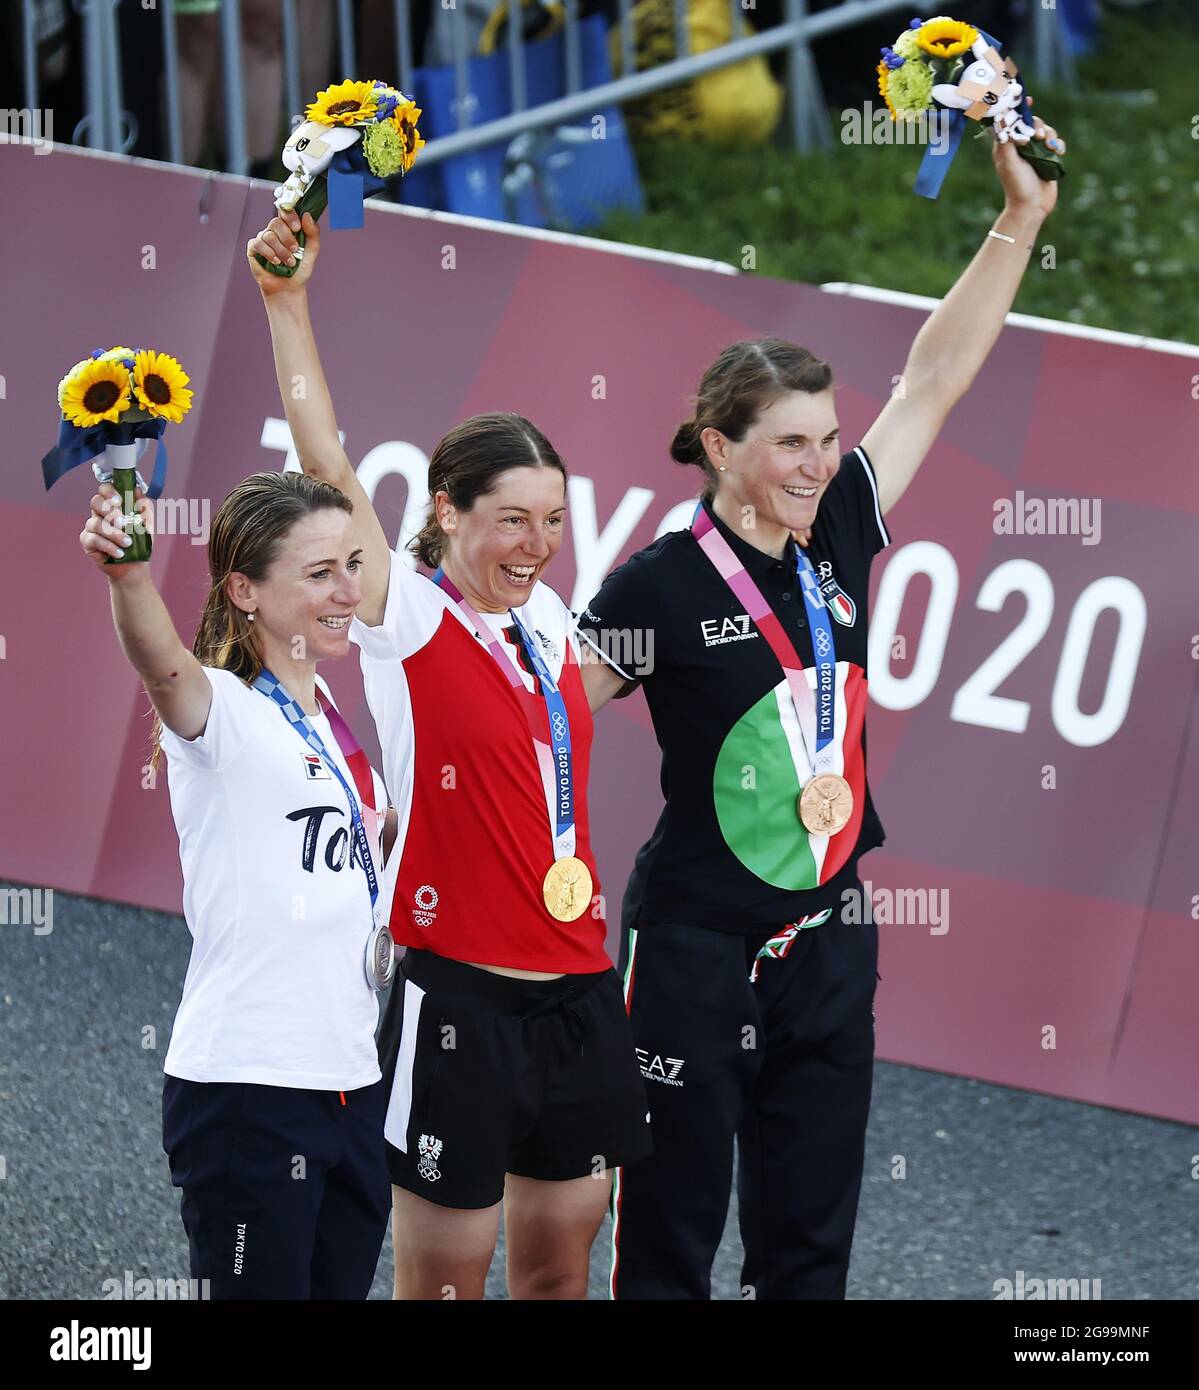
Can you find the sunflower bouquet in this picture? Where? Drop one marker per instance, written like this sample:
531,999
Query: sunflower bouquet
112,404
945,65
354,135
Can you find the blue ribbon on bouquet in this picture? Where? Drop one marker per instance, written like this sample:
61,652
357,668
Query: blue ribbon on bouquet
935,163
350,181
77,444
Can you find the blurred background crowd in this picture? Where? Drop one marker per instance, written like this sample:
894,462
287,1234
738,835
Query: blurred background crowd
706,166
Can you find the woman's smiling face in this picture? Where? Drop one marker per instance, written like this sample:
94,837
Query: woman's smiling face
778,473
496,551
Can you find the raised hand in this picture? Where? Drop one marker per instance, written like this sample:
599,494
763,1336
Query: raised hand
103,536
277,244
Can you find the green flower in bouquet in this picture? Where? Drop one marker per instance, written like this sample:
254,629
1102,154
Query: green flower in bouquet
910,89
383,149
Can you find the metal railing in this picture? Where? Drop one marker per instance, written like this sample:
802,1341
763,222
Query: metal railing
106,125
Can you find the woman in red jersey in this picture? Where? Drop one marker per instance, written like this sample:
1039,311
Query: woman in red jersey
505,1045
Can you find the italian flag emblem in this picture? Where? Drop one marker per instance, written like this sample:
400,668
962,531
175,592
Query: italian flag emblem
763,766
836,600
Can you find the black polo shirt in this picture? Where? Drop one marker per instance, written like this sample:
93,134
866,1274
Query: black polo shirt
729,851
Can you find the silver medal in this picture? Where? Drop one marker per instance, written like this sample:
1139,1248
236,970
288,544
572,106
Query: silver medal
380,958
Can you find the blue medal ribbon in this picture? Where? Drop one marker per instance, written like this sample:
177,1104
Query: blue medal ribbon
824,651
295,716
560,747
564,800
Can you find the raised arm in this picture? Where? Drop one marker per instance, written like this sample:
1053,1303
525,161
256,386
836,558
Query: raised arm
305,393
956,340
174,679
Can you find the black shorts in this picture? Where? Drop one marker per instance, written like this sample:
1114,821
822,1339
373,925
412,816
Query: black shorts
488,1075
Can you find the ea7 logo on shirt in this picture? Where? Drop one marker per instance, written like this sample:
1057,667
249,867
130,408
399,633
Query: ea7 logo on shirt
315,769
717,631
839,603
656,1068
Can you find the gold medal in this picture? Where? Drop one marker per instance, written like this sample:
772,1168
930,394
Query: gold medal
825,804
567,889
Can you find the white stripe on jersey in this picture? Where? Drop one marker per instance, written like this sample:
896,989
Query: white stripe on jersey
399,1105
873,481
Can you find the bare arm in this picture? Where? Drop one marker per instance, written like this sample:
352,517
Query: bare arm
306,399
958,337
601,683
174,679
391,827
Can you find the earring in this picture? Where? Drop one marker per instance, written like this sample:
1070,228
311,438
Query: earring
250,617
723,469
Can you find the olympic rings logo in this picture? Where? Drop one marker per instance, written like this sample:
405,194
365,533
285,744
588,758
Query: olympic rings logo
558,723
823,643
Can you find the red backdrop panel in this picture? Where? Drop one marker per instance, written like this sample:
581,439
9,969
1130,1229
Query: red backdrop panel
1067,867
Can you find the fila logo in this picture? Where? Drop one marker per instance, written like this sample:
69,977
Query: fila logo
656,1068
315,769
717,631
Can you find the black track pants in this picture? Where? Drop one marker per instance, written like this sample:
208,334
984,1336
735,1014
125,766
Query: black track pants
784,1066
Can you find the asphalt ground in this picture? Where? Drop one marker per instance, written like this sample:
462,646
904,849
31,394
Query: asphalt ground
996,1181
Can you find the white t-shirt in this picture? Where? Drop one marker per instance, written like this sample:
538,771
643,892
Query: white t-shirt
279,910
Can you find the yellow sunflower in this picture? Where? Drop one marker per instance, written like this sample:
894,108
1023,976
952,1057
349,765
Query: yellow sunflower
66,381
160,385
404,118
946,38
884,75
95,392
345,103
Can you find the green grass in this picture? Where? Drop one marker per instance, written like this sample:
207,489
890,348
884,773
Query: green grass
1125,232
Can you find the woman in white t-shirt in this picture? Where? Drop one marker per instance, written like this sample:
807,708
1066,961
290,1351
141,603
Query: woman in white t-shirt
273,1103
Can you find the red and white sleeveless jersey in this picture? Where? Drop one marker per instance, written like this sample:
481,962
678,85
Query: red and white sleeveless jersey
475,841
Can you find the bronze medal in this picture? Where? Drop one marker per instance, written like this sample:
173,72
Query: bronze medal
567,889
825,804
